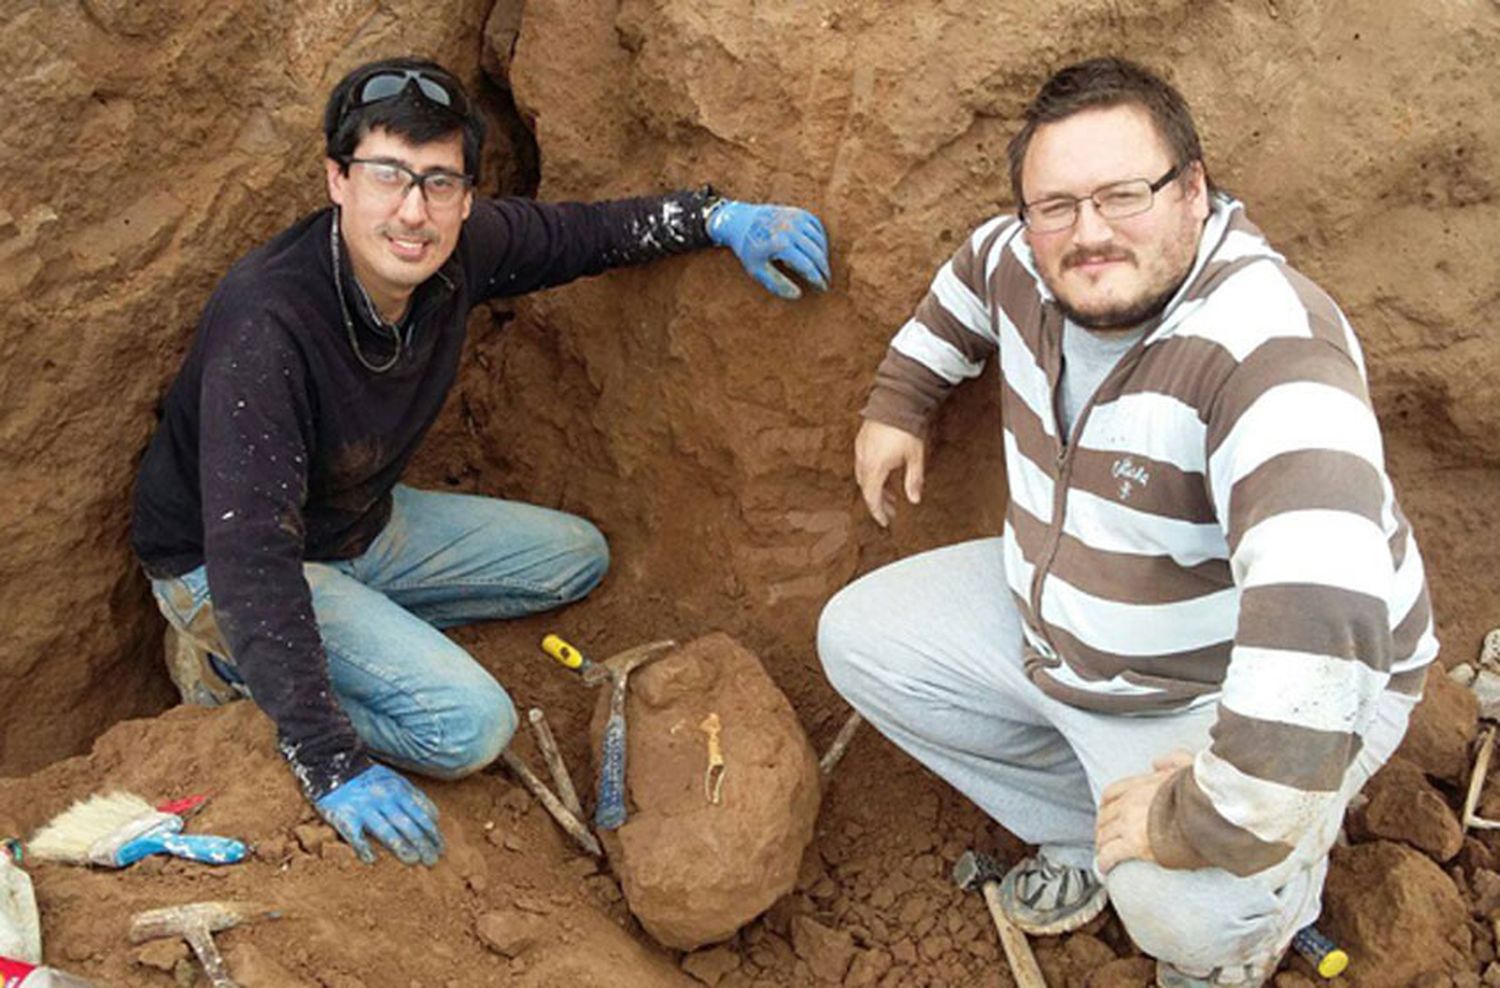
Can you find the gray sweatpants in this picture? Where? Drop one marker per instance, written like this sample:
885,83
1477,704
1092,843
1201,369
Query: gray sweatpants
928,649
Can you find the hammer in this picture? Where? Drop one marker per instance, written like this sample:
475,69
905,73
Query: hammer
610,812
197,923
980,872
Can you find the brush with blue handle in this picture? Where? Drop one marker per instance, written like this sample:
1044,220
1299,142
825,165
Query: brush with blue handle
118,829
166,838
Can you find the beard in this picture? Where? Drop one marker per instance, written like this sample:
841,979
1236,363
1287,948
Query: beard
1165,268
1123,315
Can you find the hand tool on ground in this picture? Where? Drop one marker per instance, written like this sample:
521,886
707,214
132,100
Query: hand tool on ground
197,923
119,829
609,810
573,825
1476,785
840,744
713,776
547,744
555,646
1325,957
974,872
184,807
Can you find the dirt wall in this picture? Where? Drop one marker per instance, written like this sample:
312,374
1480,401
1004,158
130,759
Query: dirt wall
705,425
709,427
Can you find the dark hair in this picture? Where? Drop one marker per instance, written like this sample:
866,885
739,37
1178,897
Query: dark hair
1106,82
410,115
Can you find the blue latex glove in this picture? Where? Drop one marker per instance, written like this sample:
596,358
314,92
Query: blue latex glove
382,803
759,234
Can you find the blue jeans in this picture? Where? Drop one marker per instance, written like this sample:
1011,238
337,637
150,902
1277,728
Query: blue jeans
414,697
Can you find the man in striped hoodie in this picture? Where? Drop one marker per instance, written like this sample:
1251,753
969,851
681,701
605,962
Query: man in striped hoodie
1206,622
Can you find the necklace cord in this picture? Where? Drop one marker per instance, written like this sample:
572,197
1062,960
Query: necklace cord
338,287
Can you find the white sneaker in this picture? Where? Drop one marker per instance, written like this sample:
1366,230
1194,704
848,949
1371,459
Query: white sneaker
1239,976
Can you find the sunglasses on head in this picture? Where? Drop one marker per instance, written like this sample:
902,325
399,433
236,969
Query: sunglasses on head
390,83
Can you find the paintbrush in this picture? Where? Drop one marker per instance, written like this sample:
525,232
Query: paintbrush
119,829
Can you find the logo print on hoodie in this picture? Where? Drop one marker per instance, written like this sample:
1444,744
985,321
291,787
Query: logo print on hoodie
1129,474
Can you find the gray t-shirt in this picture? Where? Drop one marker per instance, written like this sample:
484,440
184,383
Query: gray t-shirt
1088,357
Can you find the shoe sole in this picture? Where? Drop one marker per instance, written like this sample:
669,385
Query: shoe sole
1079,917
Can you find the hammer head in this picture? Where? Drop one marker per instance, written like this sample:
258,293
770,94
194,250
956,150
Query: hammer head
618,666
203,917
973,869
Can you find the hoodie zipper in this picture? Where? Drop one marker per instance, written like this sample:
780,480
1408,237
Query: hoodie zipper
1063,456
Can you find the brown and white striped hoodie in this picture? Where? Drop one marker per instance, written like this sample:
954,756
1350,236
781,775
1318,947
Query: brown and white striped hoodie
1218,528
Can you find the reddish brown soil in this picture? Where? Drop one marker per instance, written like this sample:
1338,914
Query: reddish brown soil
873,902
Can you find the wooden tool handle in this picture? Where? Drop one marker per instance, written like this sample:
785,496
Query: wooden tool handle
1023,966
571,824
547,744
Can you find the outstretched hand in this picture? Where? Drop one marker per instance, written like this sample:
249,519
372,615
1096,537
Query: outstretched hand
762,234
383,804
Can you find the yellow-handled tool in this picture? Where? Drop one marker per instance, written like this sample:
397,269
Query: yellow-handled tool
592,672
555,646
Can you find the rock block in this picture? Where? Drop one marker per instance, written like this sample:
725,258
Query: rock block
1442,727
1396,913
1404,806
693,871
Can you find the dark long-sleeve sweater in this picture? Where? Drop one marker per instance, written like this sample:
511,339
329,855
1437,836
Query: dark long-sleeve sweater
278,446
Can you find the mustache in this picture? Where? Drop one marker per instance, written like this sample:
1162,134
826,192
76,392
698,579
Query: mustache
1084,255
401,233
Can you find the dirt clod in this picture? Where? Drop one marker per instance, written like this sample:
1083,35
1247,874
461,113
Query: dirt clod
1442,728
827,952
711,966
161,954
1404,806
509,933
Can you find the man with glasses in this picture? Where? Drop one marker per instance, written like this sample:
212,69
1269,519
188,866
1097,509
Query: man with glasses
1206,621
292,565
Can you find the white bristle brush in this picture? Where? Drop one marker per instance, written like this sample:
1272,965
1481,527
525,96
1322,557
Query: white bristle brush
120,828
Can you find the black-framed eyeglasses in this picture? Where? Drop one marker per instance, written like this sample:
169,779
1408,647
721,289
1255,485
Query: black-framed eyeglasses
390,83
391,180
1114,201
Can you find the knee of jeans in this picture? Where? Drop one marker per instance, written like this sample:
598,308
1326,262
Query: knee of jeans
474,734
1192,929
589,551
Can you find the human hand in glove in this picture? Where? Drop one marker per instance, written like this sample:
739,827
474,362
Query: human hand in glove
761,234
381,803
